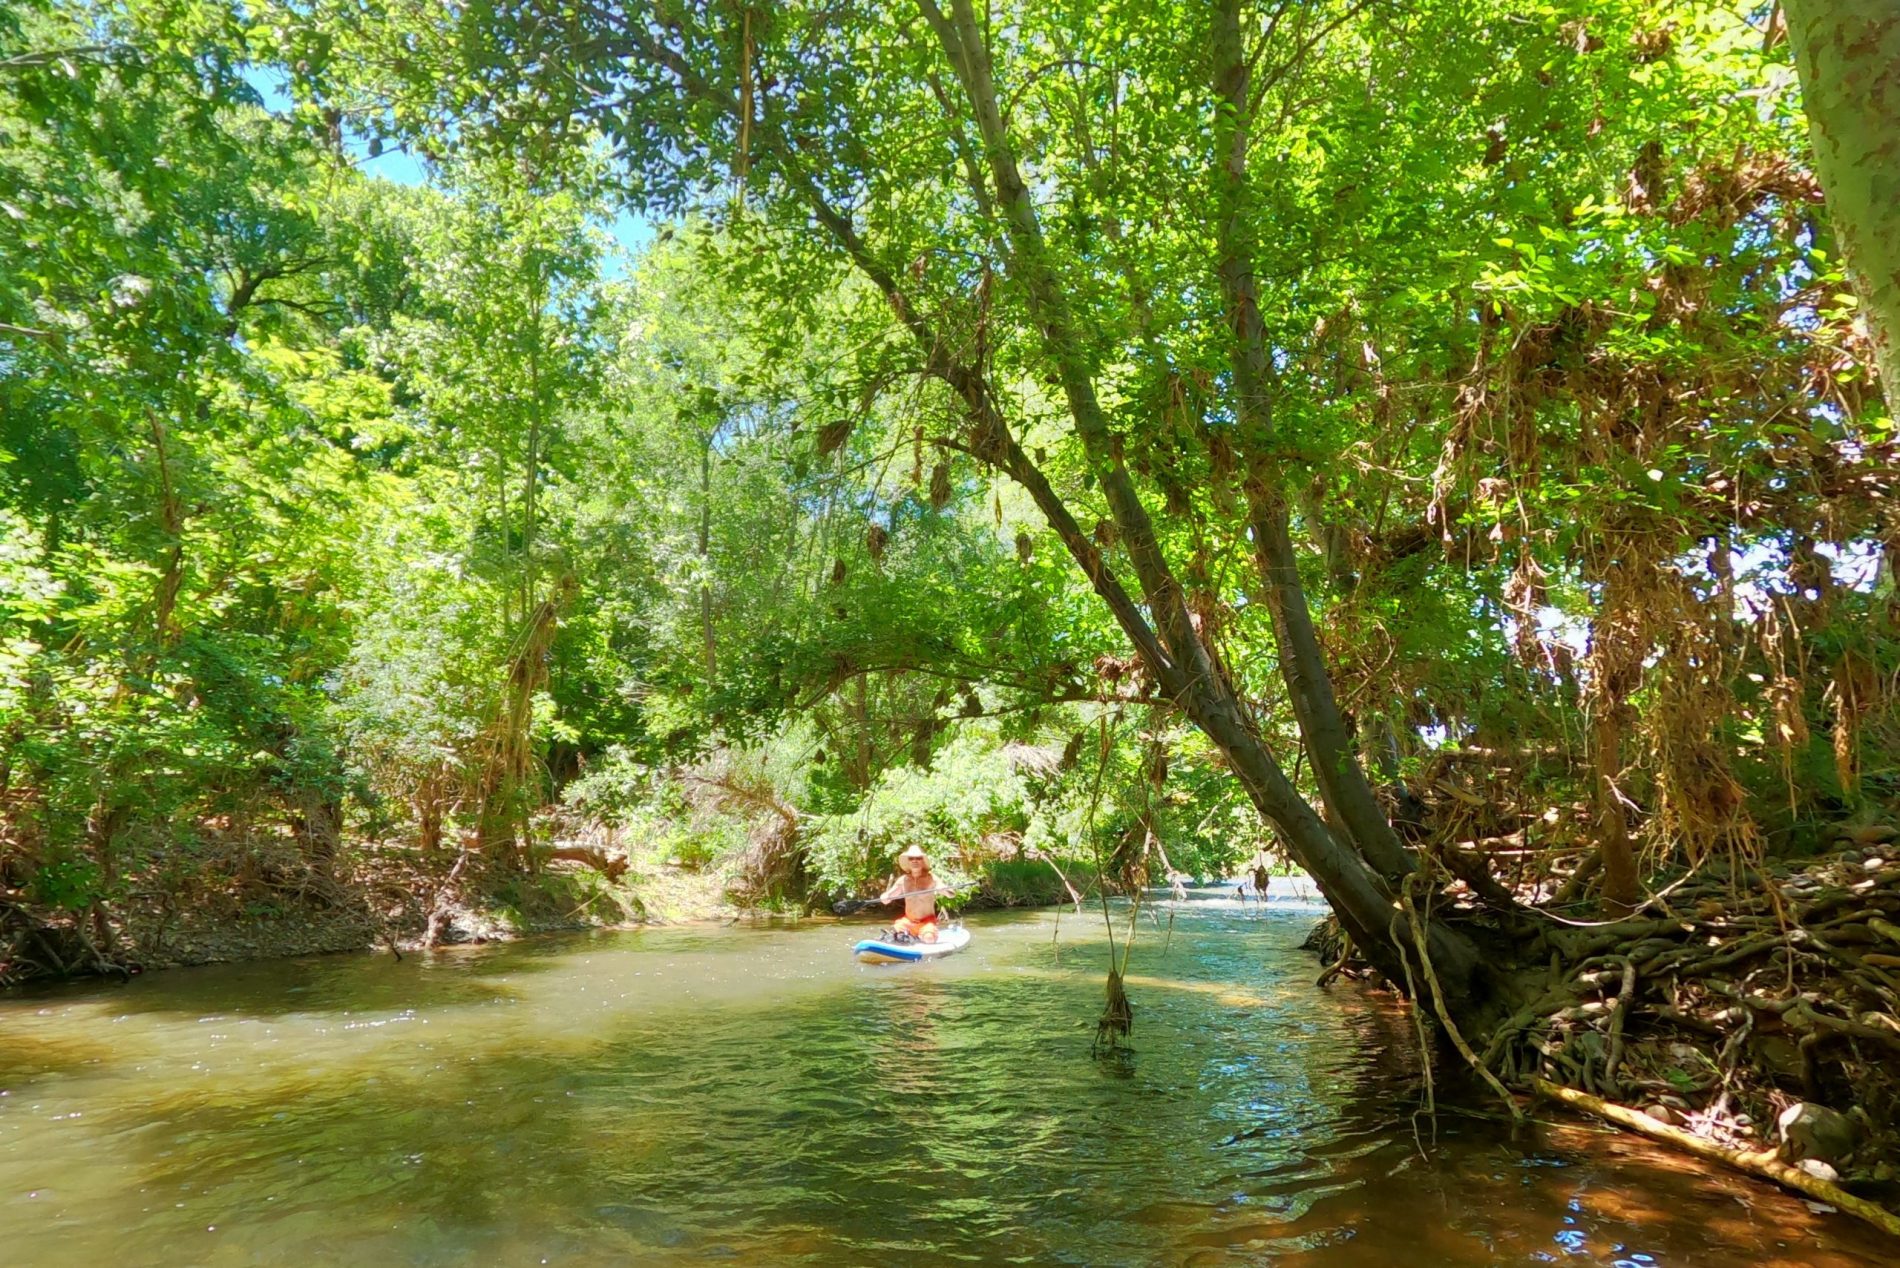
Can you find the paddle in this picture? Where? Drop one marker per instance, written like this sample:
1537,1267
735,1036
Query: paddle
851,906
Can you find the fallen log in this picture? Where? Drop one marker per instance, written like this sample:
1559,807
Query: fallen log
612,866
1765,1163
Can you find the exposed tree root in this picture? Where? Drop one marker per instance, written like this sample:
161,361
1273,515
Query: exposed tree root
34,948
1408,901
1753,995
1338,964
1788,953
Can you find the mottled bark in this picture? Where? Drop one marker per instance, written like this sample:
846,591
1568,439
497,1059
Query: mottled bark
1848,55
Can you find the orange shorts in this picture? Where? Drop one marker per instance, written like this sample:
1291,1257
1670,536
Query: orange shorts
924,930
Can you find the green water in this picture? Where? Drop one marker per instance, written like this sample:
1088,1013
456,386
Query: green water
751,1094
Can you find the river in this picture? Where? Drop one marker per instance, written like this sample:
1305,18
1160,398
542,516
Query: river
750,1094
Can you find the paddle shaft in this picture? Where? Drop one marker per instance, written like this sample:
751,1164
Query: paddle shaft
859,904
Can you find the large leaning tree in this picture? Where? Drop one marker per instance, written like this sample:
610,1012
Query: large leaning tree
1121,244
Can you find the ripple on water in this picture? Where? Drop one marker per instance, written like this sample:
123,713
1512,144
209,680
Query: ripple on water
751,1094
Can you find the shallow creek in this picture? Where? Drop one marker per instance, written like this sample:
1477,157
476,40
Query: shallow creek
750,1093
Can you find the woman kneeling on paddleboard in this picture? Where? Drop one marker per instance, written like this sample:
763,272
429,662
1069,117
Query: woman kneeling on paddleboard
918,888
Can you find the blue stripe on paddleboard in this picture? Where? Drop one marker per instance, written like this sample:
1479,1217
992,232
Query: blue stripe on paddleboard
887,948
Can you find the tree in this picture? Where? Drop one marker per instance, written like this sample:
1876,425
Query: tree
1134,253
161,250
1848,53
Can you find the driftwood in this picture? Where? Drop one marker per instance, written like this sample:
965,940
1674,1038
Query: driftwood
1765,1163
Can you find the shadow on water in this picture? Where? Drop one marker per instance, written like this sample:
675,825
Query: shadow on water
28,1057
357,983
691,1095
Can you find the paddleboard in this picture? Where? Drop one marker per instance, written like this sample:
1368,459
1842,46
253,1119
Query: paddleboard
876,951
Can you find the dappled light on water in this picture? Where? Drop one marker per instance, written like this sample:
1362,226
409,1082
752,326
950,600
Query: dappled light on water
751,1093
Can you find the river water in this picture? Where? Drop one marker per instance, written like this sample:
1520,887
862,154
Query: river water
749,1093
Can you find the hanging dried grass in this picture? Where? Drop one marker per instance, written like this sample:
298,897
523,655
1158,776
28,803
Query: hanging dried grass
1701,808
1787,714
876,538
940,486
1175,495
832,435
1853,692
1117,1021
1524,594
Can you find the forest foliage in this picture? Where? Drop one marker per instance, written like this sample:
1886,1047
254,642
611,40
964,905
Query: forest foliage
344,519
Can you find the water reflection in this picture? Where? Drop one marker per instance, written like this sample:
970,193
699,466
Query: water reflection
679,1095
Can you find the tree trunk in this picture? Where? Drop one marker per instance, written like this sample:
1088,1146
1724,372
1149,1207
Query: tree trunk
318,827
1615,667
510,766
1170,647
171,519
1177,656
1613,836
1362,903
428,802
705,560
1336,768
103,828
1342,781
1848,55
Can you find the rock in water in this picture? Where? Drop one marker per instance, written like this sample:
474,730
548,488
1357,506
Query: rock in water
1815,1131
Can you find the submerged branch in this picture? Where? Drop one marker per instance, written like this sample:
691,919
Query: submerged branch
1760,1162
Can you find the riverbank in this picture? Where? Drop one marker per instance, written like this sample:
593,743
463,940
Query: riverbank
378,897
264,904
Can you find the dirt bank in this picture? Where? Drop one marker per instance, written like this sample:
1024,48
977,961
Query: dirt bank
379,897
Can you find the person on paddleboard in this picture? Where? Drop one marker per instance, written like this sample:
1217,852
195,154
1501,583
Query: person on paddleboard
917,886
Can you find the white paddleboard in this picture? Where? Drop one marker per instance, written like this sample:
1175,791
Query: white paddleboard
877,951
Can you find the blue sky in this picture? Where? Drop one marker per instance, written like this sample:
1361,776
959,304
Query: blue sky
631,230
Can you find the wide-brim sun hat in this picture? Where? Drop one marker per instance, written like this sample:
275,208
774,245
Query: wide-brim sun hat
914,852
